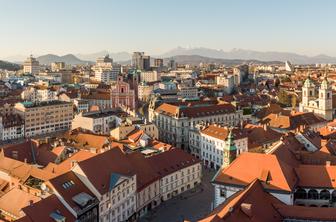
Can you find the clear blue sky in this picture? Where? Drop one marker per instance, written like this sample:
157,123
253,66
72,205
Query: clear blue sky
87,26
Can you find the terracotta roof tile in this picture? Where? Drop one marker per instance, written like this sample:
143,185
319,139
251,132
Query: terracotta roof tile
170,161
14,200
282,176
41,210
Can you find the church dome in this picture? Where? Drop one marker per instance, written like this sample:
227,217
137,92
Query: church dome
308,83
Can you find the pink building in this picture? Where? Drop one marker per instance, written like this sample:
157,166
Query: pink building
122,94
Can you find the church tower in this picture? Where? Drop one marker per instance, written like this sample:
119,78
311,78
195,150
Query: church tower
308,91
230,151
325,99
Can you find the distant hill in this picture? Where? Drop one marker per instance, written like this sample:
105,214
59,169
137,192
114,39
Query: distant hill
117,57
250,55
68,59
9,66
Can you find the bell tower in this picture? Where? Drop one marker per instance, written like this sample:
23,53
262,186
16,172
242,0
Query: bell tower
308,91
229,151
325,98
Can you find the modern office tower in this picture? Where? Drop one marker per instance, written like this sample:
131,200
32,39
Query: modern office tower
146,63
172,65
141,61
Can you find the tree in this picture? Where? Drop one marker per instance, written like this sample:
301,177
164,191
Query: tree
283,98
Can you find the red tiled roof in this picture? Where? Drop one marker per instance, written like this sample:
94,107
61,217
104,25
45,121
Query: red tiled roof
280,176
252,204
195,111
41,210
111,161
145,172
170,161
221,133
70,191
316,176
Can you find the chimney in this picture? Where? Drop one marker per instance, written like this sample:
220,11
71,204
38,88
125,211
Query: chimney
265,126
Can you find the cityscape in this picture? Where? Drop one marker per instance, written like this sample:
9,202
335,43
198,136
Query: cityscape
179,111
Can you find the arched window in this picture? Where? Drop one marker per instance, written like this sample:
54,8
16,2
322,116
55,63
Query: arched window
333,196
325,195
310,93
328,95
313,194
300,194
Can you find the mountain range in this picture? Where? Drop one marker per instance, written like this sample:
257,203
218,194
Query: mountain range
234,54
251,55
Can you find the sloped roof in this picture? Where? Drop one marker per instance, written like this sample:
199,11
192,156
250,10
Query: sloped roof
250,166
222,133
41,211
318,176
69,185
170,161
250,204
98,169
14,200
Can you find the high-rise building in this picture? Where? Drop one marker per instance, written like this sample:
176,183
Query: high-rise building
31,65
141,61
172,65
57,66
105,70
158,63
146,62
104,62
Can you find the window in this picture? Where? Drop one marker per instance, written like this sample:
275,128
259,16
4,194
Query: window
222,192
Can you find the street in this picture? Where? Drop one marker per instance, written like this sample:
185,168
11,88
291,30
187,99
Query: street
191,205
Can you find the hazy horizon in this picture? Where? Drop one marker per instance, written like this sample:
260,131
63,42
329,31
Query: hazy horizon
41,27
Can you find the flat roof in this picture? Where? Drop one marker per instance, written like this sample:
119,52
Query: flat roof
29,104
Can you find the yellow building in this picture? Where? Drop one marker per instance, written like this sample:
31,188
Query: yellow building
45,117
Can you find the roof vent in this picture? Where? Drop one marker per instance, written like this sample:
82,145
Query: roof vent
247,209
57,216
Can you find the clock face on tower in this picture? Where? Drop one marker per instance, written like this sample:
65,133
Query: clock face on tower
226,160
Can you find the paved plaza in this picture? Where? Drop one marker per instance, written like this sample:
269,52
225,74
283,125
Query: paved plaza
191,205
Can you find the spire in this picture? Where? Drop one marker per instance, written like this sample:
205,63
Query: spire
308,83
325,74
325,83
230,145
